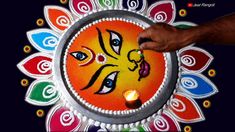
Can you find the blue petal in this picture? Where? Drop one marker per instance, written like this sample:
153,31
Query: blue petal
197,85
43,39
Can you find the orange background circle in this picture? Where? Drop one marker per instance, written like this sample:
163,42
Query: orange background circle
79,76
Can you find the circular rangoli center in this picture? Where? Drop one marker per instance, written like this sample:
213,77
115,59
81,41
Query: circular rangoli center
103,62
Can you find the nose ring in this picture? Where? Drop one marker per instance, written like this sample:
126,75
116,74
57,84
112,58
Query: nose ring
140,52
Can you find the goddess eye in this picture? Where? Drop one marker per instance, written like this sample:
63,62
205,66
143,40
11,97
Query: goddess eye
108,84
79,55
115,41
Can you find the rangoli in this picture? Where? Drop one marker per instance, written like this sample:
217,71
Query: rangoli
89,67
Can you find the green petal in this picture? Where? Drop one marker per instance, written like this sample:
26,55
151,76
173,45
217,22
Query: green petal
184,25
42,93
136,129
107,3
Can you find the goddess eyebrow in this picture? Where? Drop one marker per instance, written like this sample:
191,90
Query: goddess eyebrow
96,75
102,43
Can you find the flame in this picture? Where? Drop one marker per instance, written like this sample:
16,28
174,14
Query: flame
131,95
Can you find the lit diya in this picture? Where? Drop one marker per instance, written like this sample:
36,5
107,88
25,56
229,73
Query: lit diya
132,99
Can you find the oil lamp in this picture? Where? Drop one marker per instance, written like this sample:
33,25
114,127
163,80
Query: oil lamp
132,99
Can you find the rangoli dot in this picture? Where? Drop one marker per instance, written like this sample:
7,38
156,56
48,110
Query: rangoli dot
212,73
27,49
187,129
24,82
40,113
40,22
63,1
207,104
182,12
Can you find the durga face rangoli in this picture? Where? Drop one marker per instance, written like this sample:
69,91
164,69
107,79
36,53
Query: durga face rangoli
103,62
89,67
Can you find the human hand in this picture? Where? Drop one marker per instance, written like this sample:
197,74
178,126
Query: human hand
164,38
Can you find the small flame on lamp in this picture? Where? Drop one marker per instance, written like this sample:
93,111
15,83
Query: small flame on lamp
132,99
131,95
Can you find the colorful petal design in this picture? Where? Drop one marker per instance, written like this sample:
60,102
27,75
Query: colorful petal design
94,128
136,129
38,65
58,18
42,93
134,5
162,11
185,109
107,4
197,85
81,7
164,122
60,118
184,24
195,59
44,40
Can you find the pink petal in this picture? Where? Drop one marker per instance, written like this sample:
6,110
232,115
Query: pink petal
81,7
164,122
60,118
195,59
162,11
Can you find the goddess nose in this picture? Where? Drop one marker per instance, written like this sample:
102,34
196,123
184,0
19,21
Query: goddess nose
135,55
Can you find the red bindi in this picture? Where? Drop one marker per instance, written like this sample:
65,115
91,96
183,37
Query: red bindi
100,58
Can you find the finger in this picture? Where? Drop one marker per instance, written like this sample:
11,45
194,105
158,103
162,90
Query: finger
145,34
154,46
149,45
